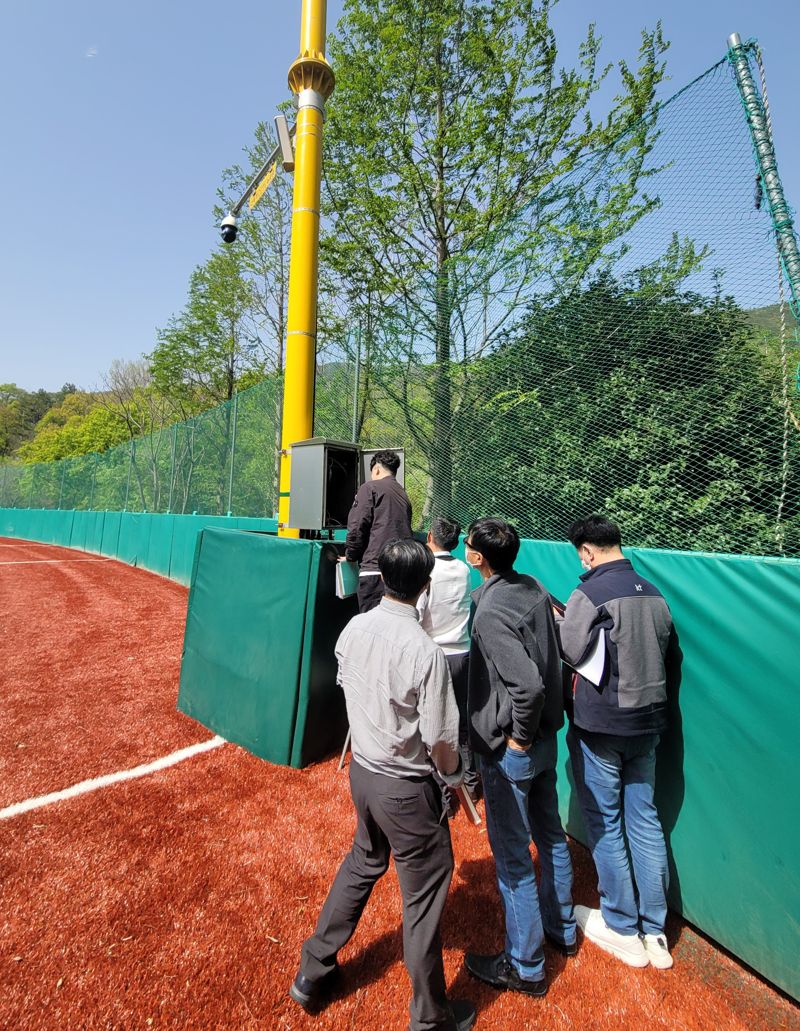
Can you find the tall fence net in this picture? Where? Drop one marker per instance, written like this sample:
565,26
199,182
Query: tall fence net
626,344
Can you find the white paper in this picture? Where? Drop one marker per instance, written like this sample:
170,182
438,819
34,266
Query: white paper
591,669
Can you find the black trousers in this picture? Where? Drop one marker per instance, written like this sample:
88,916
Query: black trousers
401,817
459,670
369,593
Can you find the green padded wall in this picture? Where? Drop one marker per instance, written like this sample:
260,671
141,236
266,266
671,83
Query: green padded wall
728,770
258,665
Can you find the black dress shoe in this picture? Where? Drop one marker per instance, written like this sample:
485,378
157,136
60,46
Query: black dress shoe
464,1014
308,993
499,973
565,948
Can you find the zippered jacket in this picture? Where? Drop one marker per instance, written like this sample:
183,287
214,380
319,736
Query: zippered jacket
631,698
381,512
514,664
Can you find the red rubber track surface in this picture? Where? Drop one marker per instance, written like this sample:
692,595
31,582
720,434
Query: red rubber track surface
180,900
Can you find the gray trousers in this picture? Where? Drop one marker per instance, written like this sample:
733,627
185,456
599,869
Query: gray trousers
403,818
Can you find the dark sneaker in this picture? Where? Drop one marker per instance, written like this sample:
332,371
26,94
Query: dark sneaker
309,994
565,948
499,973
464,1014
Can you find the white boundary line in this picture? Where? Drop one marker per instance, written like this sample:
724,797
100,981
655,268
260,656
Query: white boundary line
51,561
86,786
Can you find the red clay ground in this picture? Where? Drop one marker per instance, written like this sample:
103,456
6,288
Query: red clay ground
180,900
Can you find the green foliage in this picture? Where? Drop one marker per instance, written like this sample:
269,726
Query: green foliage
204,350
449,129
20,411
78,425
645,404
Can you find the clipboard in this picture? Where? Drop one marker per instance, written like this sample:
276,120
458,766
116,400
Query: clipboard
346,579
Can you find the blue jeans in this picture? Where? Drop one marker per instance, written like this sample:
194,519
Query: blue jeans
615,777
519,789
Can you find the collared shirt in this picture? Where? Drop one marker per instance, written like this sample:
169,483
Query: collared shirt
399,694
444,610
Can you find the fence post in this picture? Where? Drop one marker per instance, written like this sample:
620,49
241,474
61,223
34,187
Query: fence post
131,447
355,387
758,123
172,467
94,480
233,449
33,480
3,488
61,488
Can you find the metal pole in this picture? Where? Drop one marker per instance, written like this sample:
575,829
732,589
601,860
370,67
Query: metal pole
311,79
233,450
172,468
3,491
355,387
739,57
61,488
30,492
94,480
131,447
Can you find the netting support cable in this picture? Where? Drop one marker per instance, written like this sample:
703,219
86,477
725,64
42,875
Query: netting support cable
760,130
356,384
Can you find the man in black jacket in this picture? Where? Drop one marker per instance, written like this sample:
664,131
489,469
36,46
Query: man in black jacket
614,730
515,707
381,513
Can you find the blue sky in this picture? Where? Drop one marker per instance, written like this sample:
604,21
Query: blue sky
118,119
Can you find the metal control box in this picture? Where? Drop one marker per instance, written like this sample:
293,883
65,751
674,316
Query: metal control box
324,481
366,458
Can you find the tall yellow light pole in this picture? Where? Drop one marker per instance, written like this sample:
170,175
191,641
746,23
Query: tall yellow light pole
311,79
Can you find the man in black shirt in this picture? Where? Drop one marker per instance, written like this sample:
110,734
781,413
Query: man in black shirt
381,513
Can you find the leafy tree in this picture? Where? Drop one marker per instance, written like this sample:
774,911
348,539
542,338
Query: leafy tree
20,411
80,424
449,128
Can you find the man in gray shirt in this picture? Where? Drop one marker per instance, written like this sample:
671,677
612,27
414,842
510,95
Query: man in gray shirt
404,723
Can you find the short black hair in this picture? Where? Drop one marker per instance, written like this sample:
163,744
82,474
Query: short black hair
388,459
406,567
496,540
445,532
596,530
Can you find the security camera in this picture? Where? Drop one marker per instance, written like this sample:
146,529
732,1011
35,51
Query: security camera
228,228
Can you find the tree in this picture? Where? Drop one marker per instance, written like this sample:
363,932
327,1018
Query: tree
449,129
79,425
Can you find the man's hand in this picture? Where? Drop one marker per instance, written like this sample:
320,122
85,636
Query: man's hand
516,745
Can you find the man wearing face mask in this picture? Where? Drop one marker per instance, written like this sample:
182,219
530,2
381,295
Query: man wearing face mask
614,729
515,707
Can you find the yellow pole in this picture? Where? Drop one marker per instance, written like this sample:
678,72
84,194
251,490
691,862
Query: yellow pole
311,79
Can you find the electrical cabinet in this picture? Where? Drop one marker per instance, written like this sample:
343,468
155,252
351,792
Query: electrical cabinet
366,458
324,481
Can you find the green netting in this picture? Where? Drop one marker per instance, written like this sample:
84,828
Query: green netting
621,345
223,461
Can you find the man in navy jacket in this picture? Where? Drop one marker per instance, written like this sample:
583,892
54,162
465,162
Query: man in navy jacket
614,729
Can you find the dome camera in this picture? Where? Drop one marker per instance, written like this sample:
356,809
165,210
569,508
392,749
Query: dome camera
228,228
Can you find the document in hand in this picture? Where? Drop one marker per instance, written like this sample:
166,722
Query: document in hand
346,579
592,667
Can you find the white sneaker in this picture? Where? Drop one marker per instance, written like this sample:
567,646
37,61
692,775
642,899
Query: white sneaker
627,947
655,946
